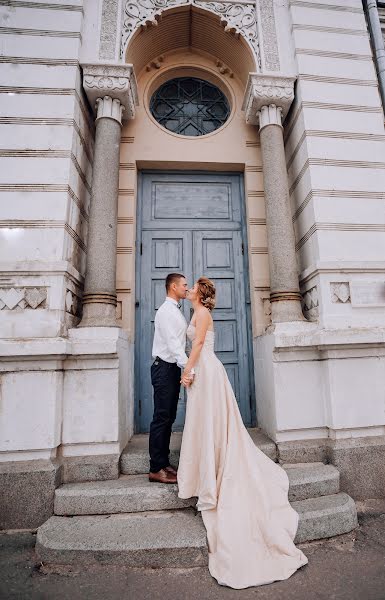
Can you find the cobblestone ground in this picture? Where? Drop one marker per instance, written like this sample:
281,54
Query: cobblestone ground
351,567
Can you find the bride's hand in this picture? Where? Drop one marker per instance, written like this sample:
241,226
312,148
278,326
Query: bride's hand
186,379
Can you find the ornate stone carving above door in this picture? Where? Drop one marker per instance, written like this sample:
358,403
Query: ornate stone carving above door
238,18
254,20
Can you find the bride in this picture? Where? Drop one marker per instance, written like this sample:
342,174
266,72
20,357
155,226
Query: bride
242,494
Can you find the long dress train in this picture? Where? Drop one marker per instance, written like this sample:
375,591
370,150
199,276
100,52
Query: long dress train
242,494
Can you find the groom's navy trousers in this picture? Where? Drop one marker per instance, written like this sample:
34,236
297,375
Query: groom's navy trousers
165,379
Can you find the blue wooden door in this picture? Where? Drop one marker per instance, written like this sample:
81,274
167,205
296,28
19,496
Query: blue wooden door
193,223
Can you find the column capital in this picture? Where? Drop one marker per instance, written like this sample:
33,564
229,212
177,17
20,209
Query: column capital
270,115
117,82
265,90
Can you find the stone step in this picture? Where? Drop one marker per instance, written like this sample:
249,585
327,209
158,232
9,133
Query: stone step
128,494
155,539
168,538
134,493
325,516
134,459
310,480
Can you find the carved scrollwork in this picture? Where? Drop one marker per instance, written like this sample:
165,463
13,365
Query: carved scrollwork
238,18
138,13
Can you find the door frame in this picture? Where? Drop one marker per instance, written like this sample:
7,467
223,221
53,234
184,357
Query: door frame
138,243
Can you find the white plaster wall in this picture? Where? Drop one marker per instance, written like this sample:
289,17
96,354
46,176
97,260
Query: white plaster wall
335,147
98,411
30,416
321,384
89,51
46,138
75,392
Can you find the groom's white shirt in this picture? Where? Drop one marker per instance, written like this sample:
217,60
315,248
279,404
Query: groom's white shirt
170,334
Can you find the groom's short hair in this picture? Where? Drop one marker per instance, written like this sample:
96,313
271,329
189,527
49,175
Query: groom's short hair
171,278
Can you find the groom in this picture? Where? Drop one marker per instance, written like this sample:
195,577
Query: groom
170,357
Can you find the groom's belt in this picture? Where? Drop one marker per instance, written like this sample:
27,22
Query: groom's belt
157,358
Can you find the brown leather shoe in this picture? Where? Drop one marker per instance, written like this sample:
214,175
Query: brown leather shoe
162,476
171,469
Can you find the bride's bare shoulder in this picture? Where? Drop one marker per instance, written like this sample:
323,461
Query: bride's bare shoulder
202,312
203,316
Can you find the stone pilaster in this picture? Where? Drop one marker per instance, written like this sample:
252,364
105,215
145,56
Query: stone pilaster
111,90
267,101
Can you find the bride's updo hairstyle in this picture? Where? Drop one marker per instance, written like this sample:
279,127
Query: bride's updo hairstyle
206,292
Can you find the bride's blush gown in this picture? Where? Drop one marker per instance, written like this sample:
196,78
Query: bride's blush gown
242,494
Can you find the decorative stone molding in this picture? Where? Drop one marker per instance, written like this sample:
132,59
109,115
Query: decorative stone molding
224,69
16,298
310,304
266,90
155,64
108,37
115,81
266,307
269,36
340,292
238,18
285,296
73,303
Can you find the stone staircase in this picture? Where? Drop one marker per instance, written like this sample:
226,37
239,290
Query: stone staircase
130,521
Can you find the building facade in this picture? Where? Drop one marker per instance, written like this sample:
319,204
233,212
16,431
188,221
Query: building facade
239,140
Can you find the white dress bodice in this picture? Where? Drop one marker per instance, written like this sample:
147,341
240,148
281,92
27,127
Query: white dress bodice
208,345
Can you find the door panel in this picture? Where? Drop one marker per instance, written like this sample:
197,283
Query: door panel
191,223
198,201
163,252
218,255
188,201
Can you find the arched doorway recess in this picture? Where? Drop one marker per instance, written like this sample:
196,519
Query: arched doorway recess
182,200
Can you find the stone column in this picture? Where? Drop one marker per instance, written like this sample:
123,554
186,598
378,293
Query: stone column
111,90
267,101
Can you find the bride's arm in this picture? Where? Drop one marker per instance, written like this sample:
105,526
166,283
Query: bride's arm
201,327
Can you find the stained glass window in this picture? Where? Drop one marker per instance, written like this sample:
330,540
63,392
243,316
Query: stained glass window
189,106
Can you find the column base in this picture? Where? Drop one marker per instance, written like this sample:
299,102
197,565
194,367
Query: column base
286,310
99,314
